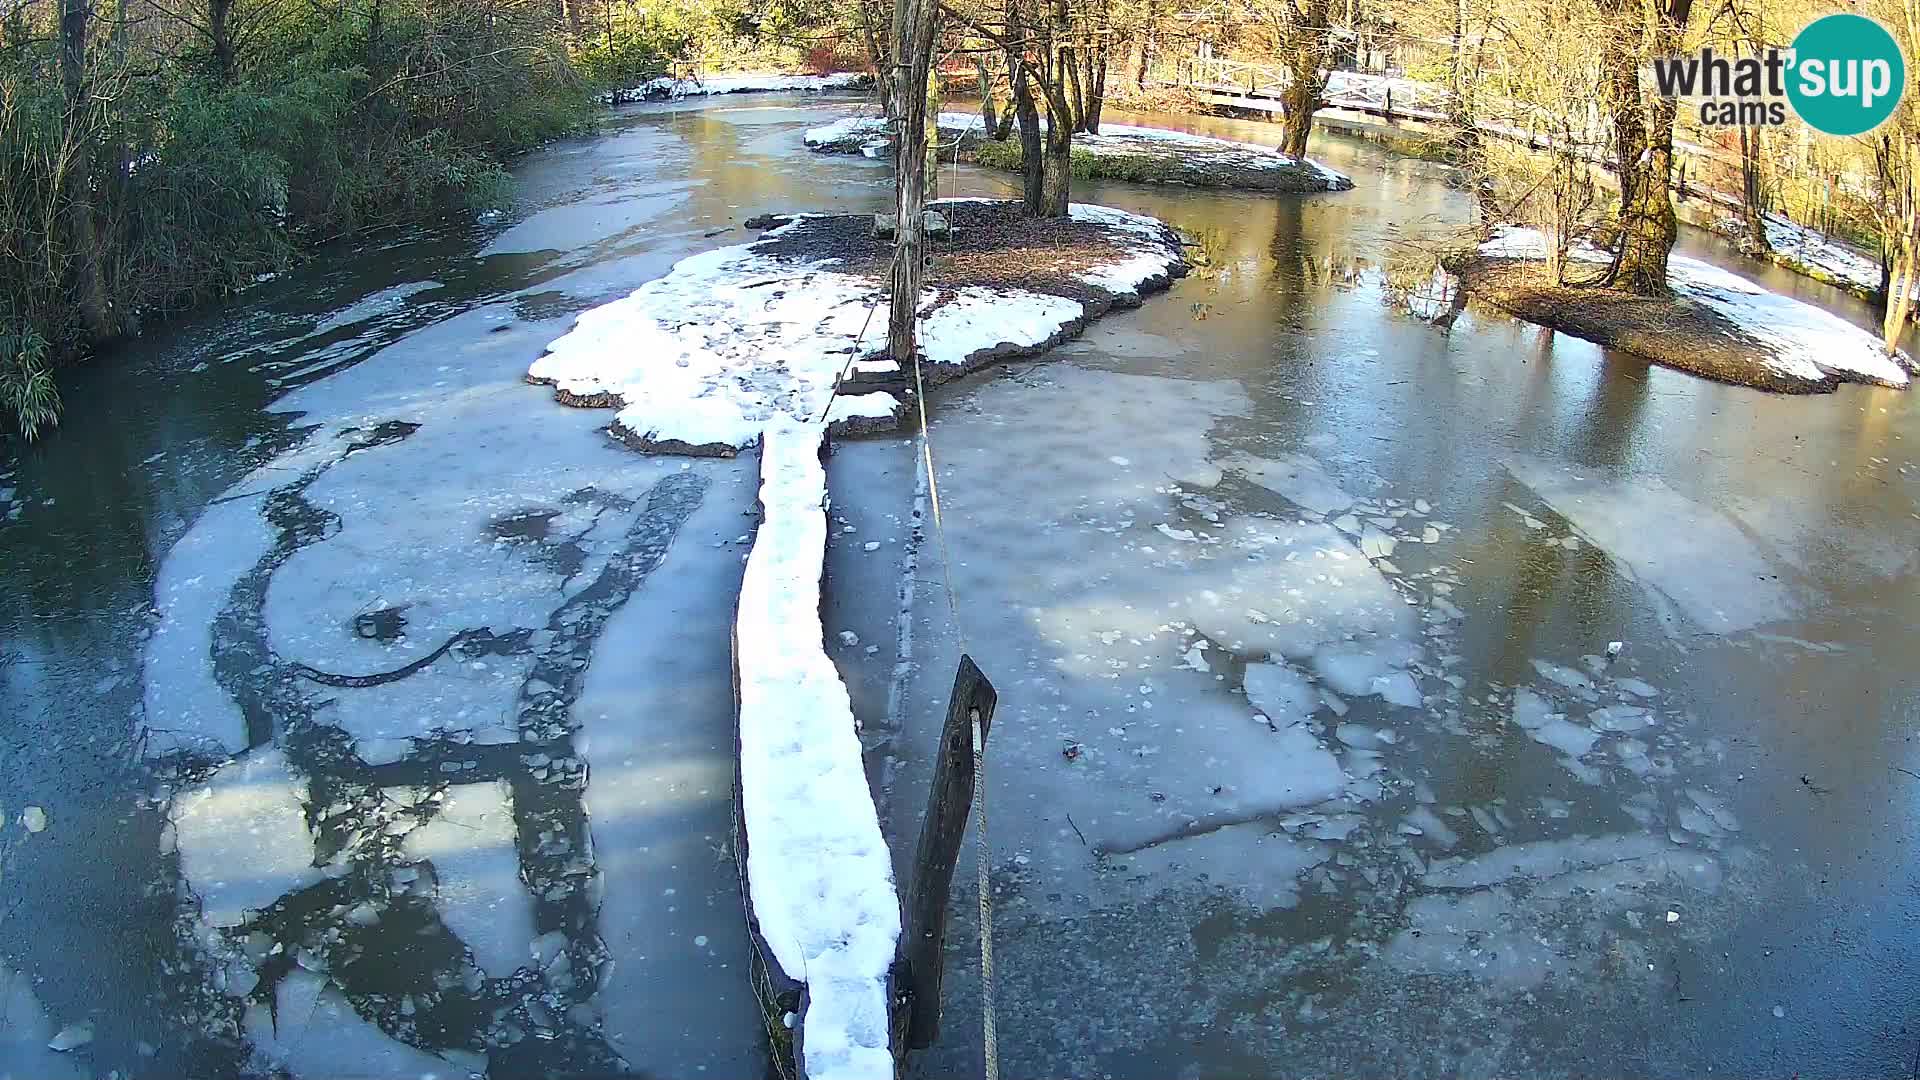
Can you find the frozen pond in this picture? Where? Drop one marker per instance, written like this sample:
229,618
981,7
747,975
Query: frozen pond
1313,757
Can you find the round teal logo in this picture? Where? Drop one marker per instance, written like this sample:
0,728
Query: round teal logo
1846,74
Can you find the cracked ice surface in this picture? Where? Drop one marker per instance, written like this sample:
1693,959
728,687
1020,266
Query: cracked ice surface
242,837
474,849
702,359
1121,637
1512,916
314,1033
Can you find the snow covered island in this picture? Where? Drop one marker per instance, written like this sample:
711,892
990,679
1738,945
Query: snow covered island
1716,324
1118,152
701,360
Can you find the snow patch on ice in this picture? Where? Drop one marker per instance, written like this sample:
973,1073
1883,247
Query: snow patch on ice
186,708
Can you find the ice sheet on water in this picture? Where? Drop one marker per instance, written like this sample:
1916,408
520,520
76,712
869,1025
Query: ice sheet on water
242,836
657,736
474,848
1302,585
317,1035
1523,911
1358,669
1691,554
1530,709
1296,478
186,708
1280,693
1259,864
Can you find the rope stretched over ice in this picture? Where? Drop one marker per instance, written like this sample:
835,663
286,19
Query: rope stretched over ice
983,860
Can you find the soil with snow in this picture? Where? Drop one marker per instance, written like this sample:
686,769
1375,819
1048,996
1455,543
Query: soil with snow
1118,152
1692,330
700,360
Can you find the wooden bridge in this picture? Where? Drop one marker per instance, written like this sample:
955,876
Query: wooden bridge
1239,84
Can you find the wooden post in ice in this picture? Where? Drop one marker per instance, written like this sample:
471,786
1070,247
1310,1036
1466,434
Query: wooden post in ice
913,29
923,924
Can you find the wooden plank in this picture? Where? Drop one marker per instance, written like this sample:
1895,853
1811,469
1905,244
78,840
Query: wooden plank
949,804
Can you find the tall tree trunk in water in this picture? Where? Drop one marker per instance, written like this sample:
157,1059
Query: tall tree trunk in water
1643,142
89,273
913,30
1306,59
1033,164
989,116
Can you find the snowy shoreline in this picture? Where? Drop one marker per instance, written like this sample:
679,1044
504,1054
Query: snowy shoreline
1718,324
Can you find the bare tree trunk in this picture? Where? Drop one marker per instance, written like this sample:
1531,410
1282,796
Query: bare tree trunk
878,58
913,31
1752,195
1096,87
1033,163
1148,39
1306,58
90,283
220,38
1076,95
1058,184
989,115
1643,144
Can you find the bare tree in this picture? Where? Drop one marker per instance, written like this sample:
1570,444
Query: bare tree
914,25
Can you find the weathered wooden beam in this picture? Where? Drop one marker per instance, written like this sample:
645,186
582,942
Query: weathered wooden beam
949,804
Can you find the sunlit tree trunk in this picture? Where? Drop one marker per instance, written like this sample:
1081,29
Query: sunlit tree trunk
989,115
1308,47
1033,163
912,47
1643,141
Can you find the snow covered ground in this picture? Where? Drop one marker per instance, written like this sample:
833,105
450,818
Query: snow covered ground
667,87
1806,343
701,360
1816,254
